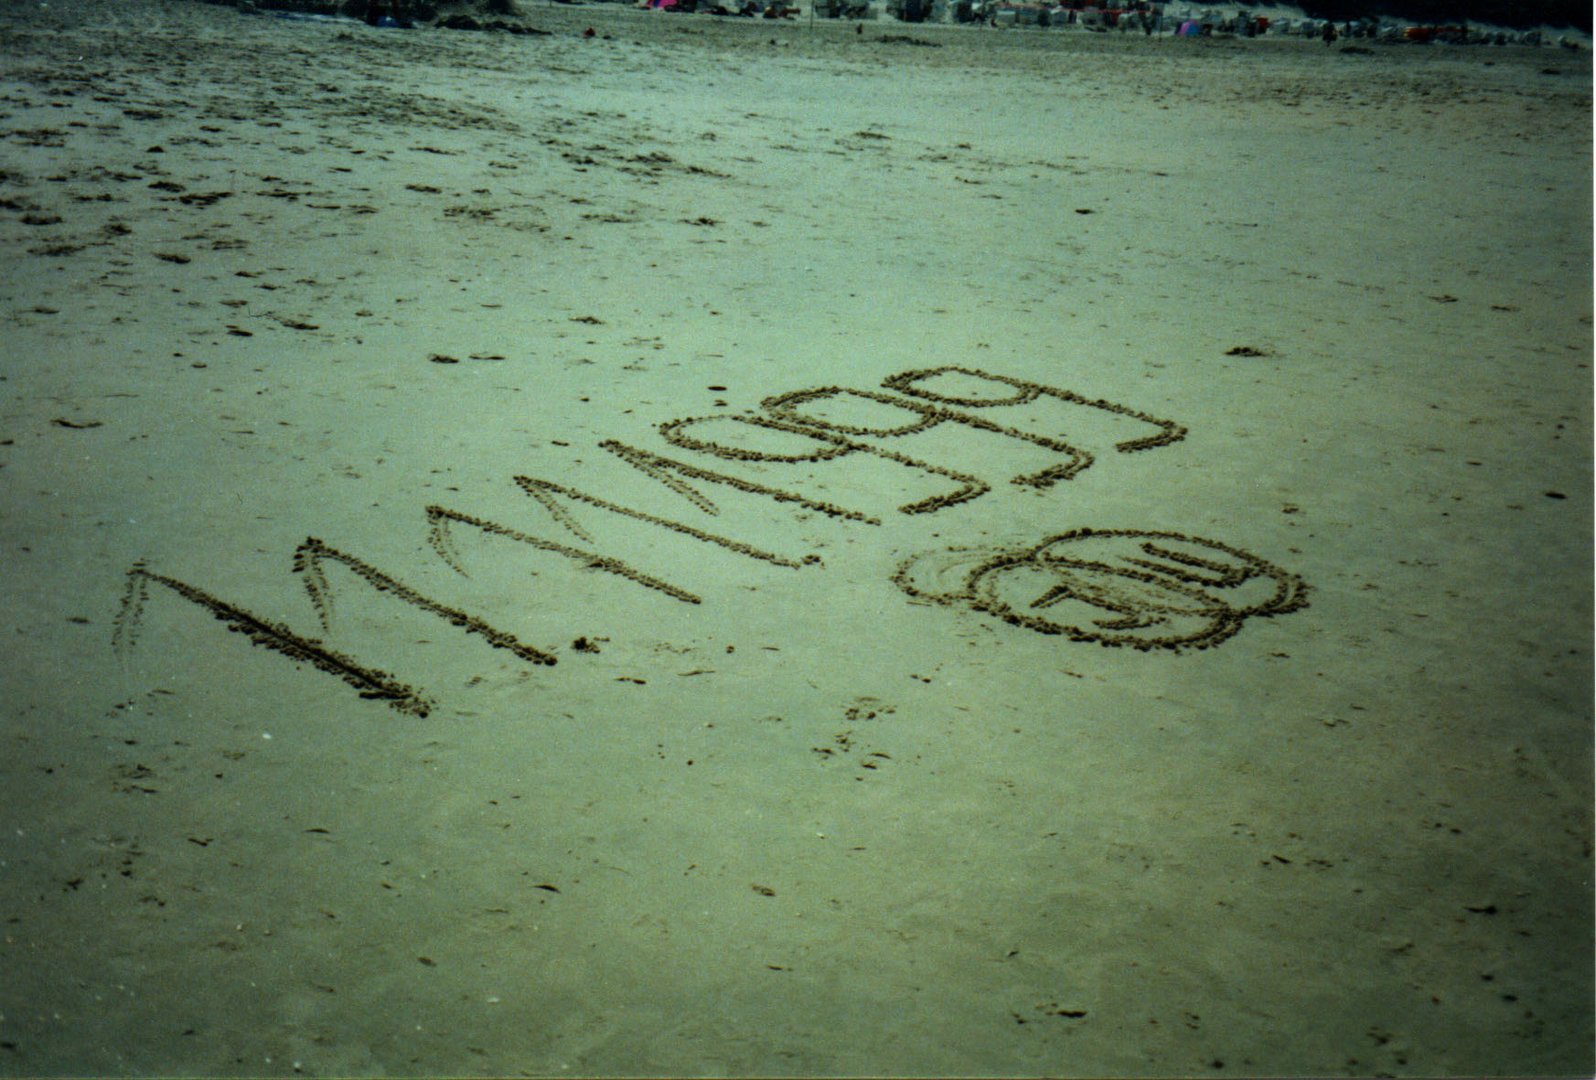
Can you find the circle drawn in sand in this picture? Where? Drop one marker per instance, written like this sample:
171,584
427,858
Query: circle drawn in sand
1117,587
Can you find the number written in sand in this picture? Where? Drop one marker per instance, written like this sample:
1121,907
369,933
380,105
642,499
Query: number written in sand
803,429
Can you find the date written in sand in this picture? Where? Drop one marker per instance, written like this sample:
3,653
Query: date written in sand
1159,589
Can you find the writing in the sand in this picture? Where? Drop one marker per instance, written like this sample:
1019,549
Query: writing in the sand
804,429
1118,587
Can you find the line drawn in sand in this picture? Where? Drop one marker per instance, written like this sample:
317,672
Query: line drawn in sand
372,683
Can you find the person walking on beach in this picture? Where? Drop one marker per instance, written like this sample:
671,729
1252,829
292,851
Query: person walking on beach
1329,32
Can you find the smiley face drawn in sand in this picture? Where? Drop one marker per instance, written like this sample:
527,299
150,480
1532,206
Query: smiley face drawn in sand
1118,587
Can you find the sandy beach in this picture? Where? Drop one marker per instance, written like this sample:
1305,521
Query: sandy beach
716,547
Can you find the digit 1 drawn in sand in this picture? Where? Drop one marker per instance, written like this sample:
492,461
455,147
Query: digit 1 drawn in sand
906,382
659,468
786,406
310,556
833,447
442,541
1117,587
544,491
370,682
547,493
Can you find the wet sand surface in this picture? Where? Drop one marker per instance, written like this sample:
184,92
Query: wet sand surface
746,548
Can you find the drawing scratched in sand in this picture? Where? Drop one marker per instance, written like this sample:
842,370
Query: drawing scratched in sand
1158,589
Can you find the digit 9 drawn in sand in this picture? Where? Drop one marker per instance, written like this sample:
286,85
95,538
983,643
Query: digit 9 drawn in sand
928,408
1117,587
